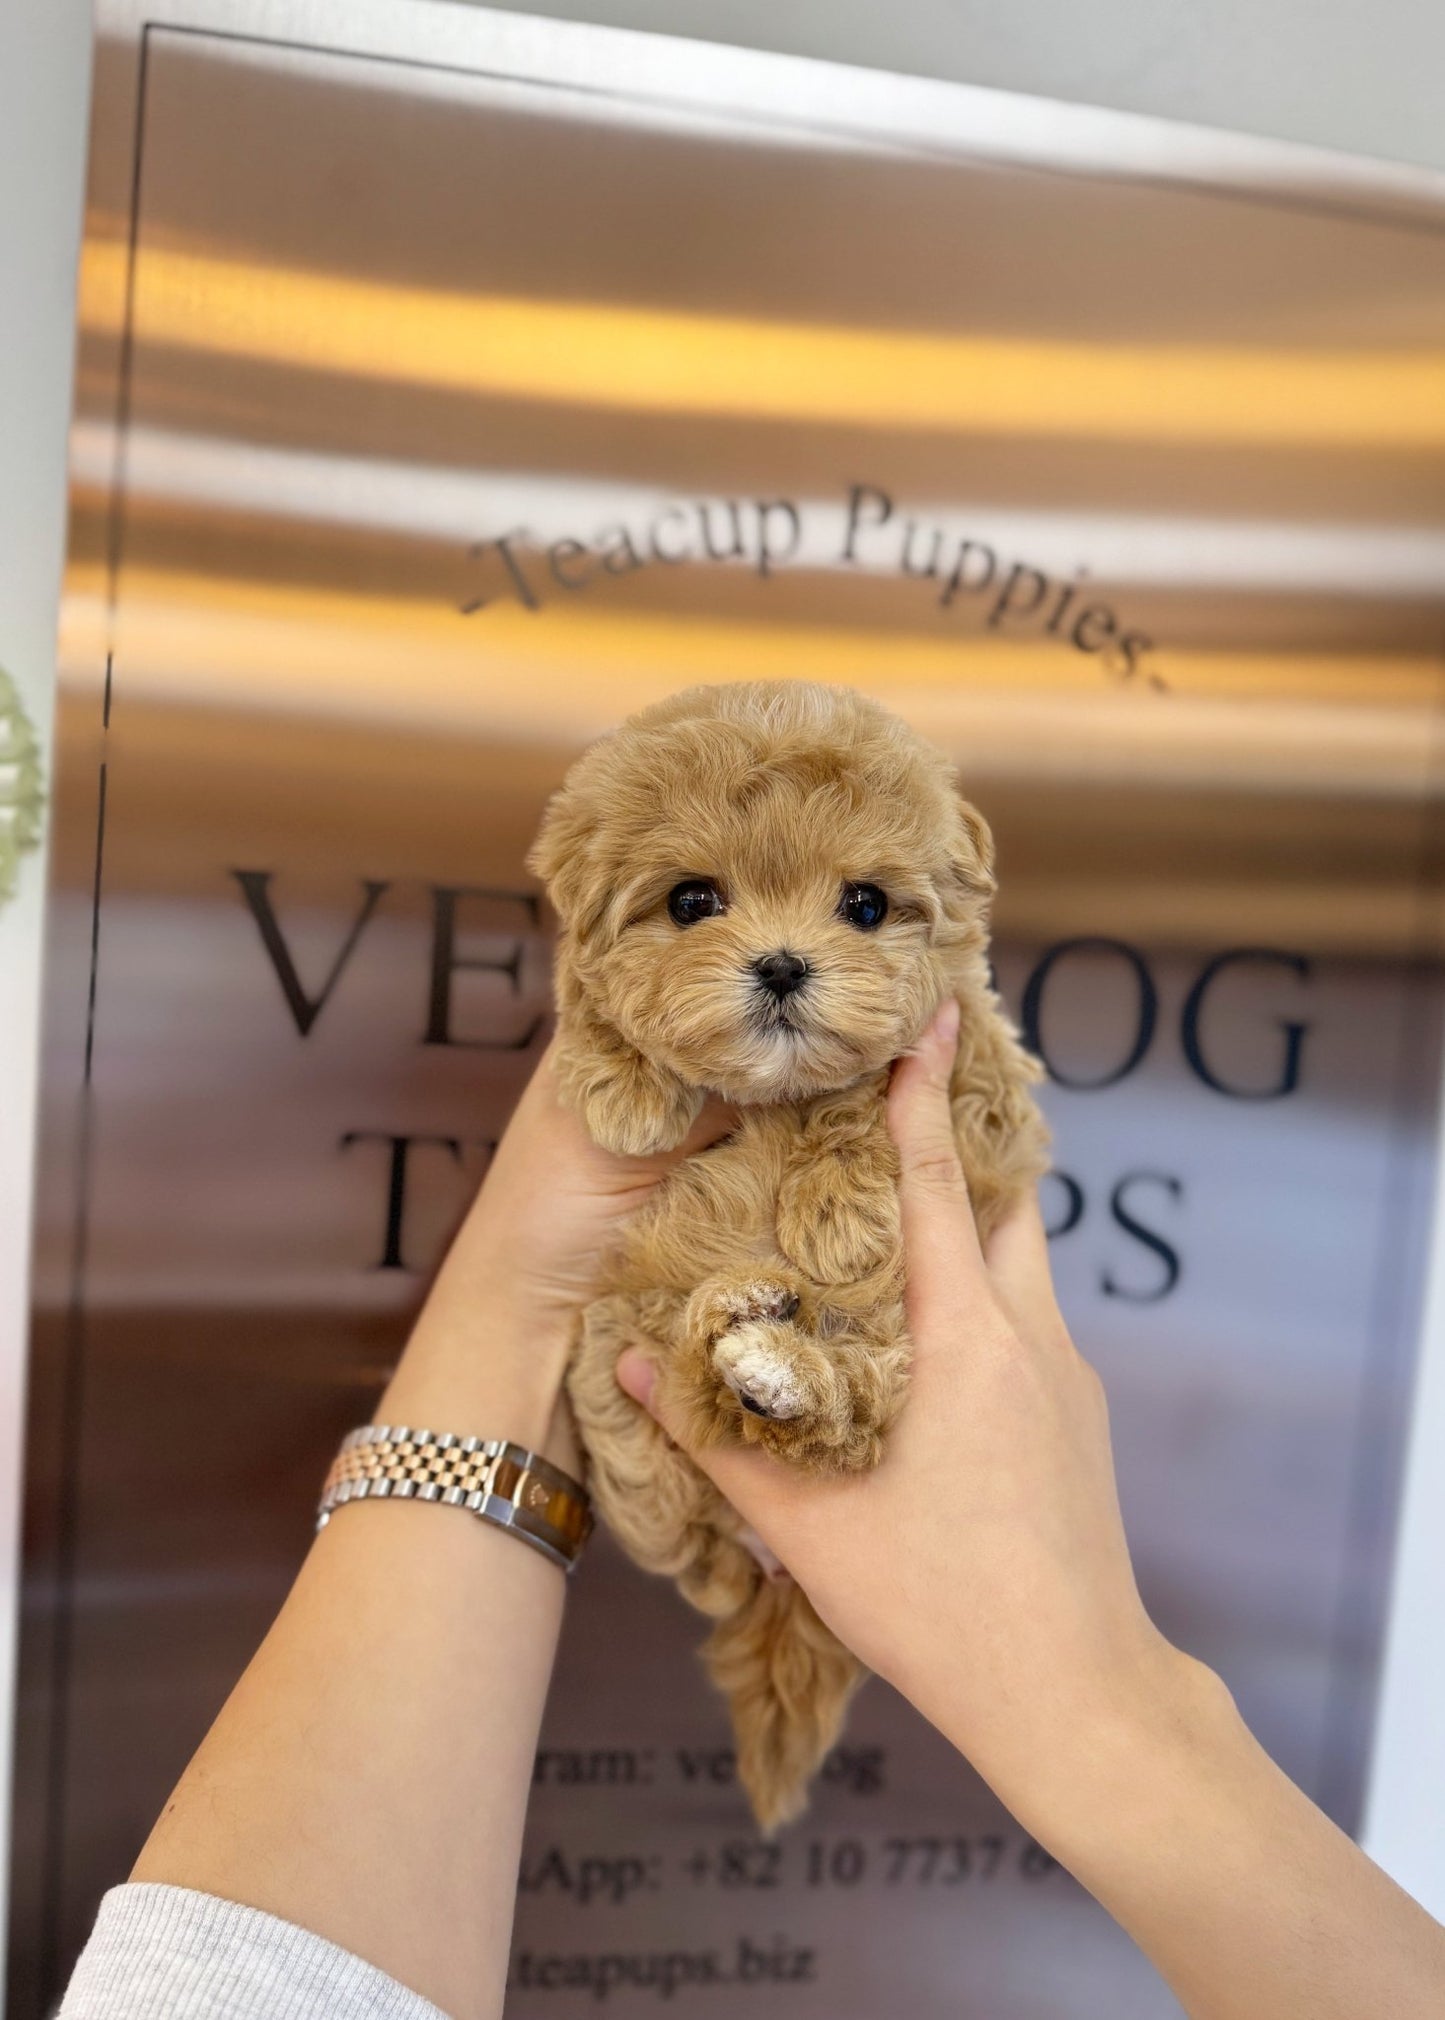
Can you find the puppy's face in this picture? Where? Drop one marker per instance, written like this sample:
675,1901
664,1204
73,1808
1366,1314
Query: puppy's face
763,914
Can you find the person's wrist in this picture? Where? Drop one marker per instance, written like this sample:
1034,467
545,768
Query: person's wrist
1120,1770
490,1369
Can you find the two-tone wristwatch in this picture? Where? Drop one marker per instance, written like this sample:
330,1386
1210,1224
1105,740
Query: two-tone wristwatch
491,1478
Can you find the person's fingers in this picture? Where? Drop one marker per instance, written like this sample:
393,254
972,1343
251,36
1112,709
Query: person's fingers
939,1236
769,1496
1017,1257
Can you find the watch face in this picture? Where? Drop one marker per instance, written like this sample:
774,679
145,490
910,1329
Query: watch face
448,389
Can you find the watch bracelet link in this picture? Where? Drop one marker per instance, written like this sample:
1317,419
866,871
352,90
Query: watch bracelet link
491,1478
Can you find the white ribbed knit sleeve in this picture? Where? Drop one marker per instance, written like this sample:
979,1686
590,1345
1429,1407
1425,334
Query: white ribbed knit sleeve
165,1953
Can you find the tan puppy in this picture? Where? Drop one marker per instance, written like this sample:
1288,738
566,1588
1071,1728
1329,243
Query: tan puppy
766,890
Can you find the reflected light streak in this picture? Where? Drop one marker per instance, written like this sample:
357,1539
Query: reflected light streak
651,361
462,505
1016,709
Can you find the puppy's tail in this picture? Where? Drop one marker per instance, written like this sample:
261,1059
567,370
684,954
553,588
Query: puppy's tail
787,1679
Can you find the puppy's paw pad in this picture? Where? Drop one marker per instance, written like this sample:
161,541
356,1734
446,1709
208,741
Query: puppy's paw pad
769,1301
761,1364
722,1309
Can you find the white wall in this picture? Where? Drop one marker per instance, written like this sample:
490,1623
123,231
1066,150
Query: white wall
44,79
1368,79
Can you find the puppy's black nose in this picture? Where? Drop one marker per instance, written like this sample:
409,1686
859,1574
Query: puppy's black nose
781,971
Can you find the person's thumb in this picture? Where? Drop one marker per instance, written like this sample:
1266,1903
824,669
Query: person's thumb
939,1235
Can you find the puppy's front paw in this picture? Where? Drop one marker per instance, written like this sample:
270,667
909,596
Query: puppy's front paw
838,1217
758,1369
631,1106
779,1376
748,1341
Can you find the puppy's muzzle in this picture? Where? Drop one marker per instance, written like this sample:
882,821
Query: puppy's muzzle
781,973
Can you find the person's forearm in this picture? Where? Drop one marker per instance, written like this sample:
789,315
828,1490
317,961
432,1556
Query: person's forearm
368,1777
1248,1901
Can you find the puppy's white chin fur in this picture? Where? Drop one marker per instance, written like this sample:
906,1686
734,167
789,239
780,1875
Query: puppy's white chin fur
756,1066
787,1070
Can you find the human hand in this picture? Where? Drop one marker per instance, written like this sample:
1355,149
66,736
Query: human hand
365,1756
489,1348
982,1568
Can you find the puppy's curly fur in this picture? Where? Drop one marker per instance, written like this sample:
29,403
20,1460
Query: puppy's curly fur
717,829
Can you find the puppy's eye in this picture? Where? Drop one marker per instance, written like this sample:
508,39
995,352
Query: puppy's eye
863,906
698,898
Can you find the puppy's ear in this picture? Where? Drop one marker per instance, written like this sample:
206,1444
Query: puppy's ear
970,855
564,856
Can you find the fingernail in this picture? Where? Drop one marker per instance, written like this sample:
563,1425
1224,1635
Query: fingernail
945,1021
636,1377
